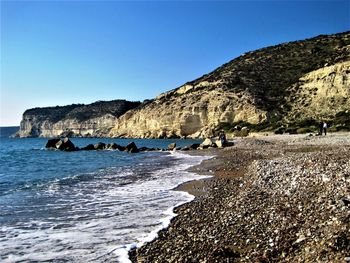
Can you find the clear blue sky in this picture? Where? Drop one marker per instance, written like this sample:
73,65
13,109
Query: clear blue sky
58,53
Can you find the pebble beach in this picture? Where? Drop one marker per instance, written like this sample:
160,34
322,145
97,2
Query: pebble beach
280,198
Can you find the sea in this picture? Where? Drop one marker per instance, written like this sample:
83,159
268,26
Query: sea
86,206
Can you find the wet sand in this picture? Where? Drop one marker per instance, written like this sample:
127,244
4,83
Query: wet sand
271,199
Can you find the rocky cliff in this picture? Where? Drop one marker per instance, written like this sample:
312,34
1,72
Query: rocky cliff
74,120
264,89
294,84
321,94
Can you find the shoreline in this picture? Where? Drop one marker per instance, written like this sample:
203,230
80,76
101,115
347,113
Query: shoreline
123,252
212,227
112,187
198,187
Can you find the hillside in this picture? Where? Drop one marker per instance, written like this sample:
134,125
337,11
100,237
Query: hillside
286,85
73,120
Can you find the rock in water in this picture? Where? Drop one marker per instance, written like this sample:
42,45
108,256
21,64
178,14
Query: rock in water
99,146
146,149
194,146
120,148
52,143
65,145
88,147
107,146
143,149
171,146
113,146
131,148
186,148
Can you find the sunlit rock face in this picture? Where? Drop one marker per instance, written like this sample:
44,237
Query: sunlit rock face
189,115
321,93
283,83
94,119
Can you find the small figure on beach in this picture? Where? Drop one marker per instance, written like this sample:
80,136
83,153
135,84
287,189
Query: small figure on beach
222,137
320,128
325,126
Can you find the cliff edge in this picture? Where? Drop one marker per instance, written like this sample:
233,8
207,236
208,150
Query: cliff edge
76,120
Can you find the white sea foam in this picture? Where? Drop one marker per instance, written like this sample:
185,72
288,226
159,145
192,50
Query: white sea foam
102,219
122,252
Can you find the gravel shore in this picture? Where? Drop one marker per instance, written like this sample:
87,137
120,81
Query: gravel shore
272,199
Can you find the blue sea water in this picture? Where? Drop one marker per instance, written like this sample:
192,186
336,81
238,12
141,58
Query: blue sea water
85,206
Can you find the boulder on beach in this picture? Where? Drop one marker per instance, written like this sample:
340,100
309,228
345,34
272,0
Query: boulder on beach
219,144
171,146
131,148
206,143
229,144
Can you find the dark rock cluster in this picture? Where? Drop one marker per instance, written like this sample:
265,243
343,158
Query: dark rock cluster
61,144
66,144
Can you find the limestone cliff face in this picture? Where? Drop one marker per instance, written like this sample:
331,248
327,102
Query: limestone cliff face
74,120
322,93
287,82
174,114
32,126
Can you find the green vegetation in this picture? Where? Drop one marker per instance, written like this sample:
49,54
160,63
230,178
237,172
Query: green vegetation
304,130
270,75
81,112
267,73
260,127
341,122
241,133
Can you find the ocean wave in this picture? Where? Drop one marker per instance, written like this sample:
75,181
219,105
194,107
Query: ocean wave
122,252
97,216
